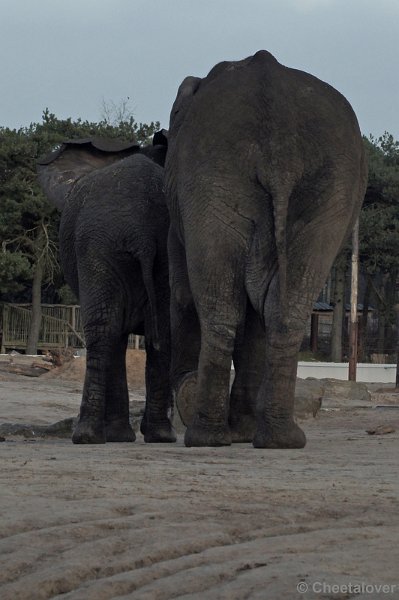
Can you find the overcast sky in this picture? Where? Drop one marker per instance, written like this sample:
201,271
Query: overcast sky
71,55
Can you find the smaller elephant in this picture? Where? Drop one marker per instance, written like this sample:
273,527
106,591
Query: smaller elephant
113,249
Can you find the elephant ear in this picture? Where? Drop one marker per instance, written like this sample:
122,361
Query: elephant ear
160,138
60,169
188,88
157,151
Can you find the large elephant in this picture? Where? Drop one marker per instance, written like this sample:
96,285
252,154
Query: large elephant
265,176
113,247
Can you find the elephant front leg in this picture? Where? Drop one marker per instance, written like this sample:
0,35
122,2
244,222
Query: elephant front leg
185,332
185,327
185,355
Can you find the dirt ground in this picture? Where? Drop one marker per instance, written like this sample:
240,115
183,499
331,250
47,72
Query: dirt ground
162,522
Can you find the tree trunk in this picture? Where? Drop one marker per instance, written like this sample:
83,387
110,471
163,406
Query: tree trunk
338,311
381,331
36,320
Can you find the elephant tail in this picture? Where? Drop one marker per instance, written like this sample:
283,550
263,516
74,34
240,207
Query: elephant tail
151,310
280,208
264,264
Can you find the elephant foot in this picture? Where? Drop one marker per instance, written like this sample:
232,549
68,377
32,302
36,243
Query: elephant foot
290,436
86,432
242,428
119,431
198,434
158,433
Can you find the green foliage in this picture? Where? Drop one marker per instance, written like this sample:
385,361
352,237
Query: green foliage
23,208
379,234
14,269
53,130
66,295
379,220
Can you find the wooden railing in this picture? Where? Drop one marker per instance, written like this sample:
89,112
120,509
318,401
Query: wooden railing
58,331
60,327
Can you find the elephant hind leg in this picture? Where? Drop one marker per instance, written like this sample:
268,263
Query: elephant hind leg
220,319
90,428
276,427
248,359
119,431
104,411
88,432
157,432
117,423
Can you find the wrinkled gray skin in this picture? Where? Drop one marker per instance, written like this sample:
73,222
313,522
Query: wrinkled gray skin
113,238
265,176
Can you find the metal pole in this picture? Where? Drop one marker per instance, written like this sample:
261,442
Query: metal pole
397,345
354,290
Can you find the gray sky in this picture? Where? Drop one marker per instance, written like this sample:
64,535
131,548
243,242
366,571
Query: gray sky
70,55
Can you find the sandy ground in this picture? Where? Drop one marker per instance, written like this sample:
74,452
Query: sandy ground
163,522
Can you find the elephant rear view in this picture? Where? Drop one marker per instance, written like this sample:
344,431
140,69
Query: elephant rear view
113,234
265,176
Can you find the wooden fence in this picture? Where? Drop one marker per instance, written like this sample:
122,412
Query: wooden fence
60,327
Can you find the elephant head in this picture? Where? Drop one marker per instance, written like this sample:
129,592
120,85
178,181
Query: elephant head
59,170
